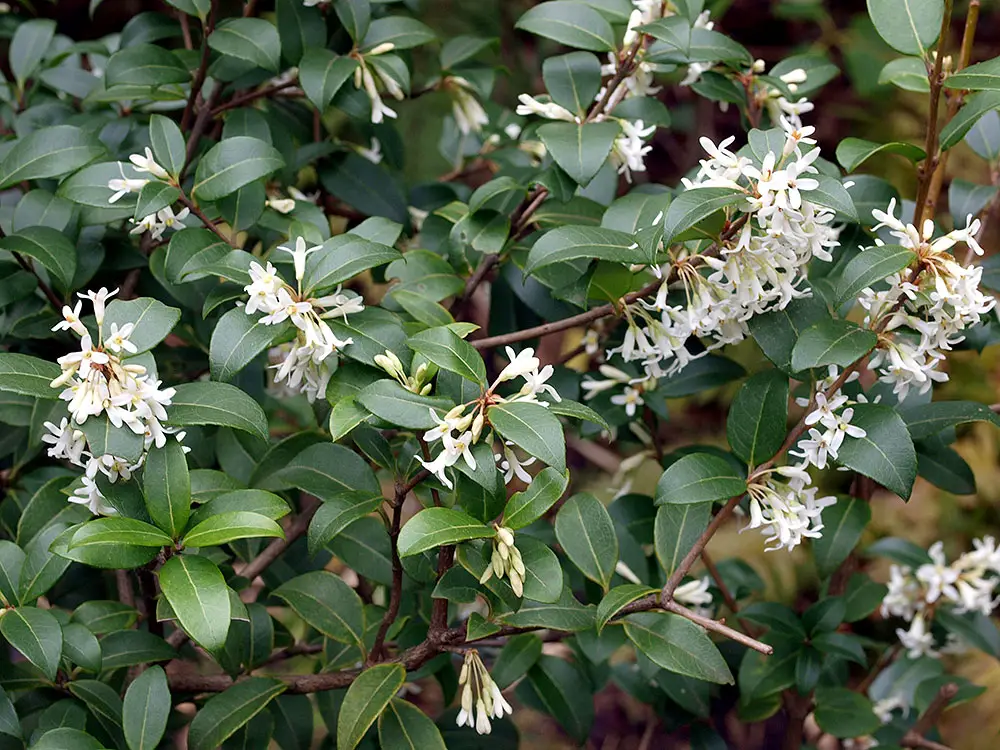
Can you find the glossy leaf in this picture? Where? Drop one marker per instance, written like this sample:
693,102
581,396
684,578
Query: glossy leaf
233,163
530,504
909,26
403,725
698,478
226,527
758,417
327,604
870,267
574,24
580,150
199,597
366,698
166,485
145,710
223,714
36,634
853,152
843,524
219,404
433,527
587,535
532,428
574,243
886,452
832,342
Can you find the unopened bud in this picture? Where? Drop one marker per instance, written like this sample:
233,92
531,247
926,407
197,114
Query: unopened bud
758,66
505,535
477,426
382,48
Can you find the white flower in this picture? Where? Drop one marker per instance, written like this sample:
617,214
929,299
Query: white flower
98,299
630,149
299,254
91,496
630,399
148,164
511,465
125,185
531,106
696,594
521,363
281,205
66,441
481,698
468,112
71,320
918,640
118,338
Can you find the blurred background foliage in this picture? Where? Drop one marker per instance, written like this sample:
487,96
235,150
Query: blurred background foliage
854,104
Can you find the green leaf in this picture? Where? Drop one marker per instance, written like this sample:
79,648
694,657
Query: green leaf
219,404
832,194
691,206
103,438
402,725
532,428
145,65
576,410
677,645
342,258
104,704
42,567
102,617
565,614
684,43
574,24
853,152
777,332
758,417
869,267
223,714
146,709
699,478
48,152
166,485
225,527
36,634
839,711
168,144
402,32
434,527
66,738
9,723
322,73
108,555
197,593
445,349
336,515
910,27
460,48
327,604
530,504
572,80
886,452
127,648
984,76
907,73
234,162
29,46
49,247
832,342
587,535
122,530
237,339
254,501
575,242
11,563
251,39
355,16
974,108
368,187
197,8
366,698
676,529
330,472
28,376
152,320
562,687
154,196
617,599
926,420
843,524
392,402
345,416
974,628
581,150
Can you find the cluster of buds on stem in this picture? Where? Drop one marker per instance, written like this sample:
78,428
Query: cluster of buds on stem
506,560
481,697
418,383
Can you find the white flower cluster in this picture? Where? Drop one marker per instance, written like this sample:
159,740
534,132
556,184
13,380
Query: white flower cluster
468,112
929,309
306,364
647,11
760,270
96,380
365,79
968,585
696,595
156,223
481,697
469,426
633,388
834,420
786,510
506,560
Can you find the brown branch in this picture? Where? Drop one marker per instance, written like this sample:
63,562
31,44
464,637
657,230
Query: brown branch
199,76
126,593
485,265
276,548
46,289
209,224
936,80
718,627
955,99
239,101
930,716
396,591
200,123
666,595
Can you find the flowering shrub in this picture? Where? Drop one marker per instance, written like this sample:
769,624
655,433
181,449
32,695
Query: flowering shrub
287,432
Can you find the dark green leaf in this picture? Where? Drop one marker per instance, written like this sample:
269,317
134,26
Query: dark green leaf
532,428
366,698
199,597
580,150
433,527
226,712
327,604
49,152
233,163
911,27
445,349
337,514
146,709
678,645
926,420
226,527
843,524
251,39
574,242
390,401
869,267
852,152
529,505
36,634
145,65
574,24
403,725
587,535
676,529
843,712
49,247
122,530
886,453
219,404
166,486
698,478
832,342
758,417
617,598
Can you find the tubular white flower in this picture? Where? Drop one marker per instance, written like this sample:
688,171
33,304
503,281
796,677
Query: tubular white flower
146,163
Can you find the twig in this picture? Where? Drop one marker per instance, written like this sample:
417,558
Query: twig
915,736
126,593
936,80
666,595
396,591
955,100
201,121
718,627
486,263
274,550
209,224
199,76
49,293
239,101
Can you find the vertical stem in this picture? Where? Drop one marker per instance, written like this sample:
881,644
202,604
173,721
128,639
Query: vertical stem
936,81
396,592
